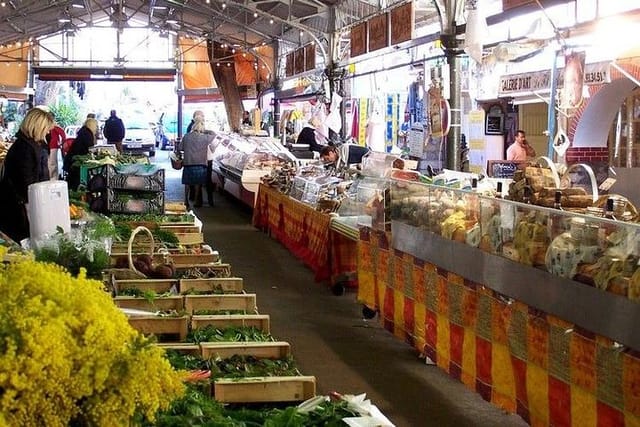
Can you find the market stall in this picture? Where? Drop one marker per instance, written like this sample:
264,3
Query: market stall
306,232
534,318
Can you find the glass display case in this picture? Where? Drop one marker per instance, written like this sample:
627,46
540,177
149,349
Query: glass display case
239,162
597,251
364,204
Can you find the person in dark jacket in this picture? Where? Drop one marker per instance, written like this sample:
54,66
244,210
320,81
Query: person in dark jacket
114,130
23,166
85,138
308,136
343,155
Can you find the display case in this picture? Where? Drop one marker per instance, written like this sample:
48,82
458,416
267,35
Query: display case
364,204
239,162
580,267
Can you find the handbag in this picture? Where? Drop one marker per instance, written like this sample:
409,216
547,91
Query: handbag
176,160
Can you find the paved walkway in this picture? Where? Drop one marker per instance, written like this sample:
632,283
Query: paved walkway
328,335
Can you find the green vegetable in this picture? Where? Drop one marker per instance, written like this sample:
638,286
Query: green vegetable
237,334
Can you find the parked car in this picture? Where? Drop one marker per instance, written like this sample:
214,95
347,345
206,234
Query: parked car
139,137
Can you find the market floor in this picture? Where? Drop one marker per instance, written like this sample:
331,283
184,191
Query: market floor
328,335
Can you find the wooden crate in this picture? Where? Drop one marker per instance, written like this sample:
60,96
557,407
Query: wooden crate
192,349
261,350
246,302
227,285
264,389
177,259
159,286
175,302
260,321
207,270
190,238
174,207
158,326
180,228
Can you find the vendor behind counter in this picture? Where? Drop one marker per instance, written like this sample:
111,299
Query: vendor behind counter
343,155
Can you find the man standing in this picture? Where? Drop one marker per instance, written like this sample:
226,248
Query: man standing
55,139
520,150
114,130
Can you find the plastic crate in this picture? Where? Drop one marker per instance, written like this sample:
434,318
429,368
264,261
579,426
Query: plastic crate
125,201
135,176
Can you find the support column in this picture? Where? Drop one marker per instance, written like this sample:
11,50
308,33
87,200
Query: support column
453,50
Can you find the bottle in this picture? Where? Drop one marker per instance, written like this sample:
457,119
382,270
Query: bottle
526,195
557,199
499,190
555,221
606,229
608,210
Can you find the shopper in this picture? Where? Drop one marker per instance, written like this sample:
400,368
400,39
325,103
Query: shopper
246,118
343,155
520,150
114,130
23,166
198,114
85,138
195,146
55,139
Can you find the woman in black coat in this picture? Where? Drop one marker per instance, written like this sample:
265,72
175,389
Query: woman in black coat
85,138
23,166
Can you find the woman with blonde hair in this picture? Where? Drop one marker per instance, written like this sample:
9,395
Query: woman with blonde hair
25,164
195,146
85,138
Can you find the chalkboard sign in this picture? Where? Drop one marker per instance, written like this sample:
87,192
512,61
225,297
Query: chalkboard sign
503,168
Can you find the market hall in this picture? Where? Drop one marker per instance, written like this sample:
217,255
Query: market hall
455,245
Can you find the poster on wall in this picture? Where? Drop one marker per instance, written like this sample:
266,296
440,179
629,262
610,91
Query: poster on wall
359,39
477,141
402,23
416,140
391,121
363,108
378,32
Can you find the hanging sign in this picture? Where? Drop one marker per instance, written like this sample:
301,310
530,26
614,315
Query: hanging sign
310,57
359,39
402,23
378,32
571,95
298,61
289,65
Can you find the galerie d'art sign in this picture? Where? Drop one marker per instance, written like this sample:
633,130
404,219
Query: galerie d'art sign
594,74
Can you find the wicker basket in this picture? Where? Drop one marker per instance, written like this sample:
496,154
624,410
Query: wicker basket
131,272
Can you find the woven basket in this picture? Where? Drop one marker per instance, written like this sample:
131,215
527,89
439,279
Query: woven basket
131,272
176,161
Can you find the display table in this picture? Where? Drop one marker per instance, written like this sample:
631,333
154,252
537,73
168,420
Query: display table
307,234
548,371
